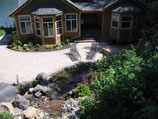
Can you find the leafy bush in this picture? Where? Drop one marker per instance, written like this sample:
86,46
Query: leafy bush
49,47
83,90
6,115
62,43
37,45
19,48
27,49
14,48
57,48
2,32
19,43
29,45
67,41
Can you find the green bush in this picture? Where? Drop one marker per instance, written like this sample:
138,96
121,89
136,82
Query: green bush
49,47
83,90
62,43
67,41
37,45
27,49
2,32
19,48
14,48
30,44
6,115
19,43
57,48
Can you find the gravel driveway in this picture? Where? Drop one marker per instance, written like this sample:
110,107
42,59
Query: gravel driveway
26,65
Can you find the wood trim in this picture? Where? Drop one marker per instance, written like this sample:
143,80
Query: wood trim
76,8
41,28
99,11
55,29
18,9
79,23
102,23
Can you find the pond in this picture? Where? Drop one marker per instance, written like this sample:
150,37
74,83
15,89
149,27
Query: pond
6,7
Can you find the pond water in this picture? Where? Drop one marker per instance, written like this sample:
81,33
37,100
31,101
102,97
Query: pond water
6,7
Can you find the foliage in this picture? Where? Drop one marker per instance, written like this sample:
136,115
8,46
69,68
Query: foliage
29,45
37,45
83,90
2,32
27,49
19,48
57,48
67,41
49,47
19,43
6,115
34,83
14,48
62,43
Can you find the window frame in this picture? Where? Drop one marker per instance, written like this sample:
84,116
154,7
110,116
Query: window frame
61,25
35,25
117,21
25,24
126,21
71,22
134,19
48,25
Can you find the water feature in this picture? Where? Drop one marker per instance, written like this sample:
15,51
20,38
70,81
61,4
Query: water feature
6,7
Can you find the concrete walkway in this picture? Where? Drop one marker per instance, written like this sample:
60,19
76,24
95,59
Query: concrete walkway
26,65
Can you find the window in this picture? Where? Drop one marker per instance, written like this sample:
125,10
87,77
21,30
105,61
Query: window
59,25
48,27
134,21
25,24
126,21
37,26
115,20
71,22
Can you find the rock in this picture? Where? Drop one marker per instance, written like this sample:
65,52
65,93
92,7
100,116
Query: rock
44,89
38,94
3,108
31,90
7,92
17,112
25,86
20,102
52,107
43,78
8,105
62,88
56,96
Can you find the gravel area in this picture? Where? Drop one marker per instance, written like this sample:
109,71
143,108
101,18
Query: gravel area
26,65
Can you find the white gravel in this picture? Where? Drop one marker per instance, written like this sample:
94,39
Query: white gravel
26,65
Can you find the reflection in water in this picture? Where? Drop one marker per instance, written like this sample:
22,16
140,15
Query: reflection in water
6,7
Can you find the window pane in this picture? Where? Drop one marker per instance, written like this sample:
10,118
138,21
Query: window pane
114,23
49,19
58,18
28,27
68,25
126,18
74,25
24,18
115,17
23,27
126,24
37,25
45,28
38,32
58,24
51,31
70,16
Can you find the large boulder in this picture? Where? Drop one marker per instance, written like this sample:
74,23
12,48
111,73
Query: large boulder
43,89
43,78
20,102
7,92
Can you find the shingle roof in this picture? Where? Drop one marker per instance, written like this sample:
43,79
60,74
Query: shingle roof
47,11
21,2
126,8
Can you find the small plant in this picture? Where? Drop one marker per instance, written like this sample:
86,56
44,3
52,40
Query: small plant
83,90
57,48
19,48
49,47
6,115
62,43
14,48
27,49
30,44
2,32
67,41
19,43
37,45
34,83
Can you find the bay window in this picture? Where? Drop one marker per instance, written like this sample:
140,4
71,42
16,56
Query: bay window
115,20
25,24
37,26
48,26
59,25
71,22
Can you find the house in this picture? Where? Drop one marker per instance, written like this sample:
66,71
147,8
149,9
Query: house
51,21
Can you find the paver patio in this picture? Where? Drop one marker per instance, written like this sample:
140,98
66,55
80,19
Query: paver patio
26,65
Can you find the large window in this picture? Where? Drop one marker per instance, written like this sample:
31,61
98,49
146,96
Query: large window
37,26
71,22
25,24
59,25
48,27
115,20
126,21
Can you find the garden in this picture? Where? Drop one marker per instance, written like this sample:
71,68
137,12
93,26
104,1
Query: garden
30,46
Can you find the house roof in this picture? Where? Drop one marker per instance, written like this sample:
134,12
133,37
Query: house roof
47,11
21,2
126,8
111,2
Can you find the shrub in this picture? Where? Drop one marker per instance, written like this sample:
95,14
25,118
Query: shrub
30,44
34,83
83,90
37,45
6,115
2,32
67,41
62,43
27,49
14,48
49,47
36,49
19,48
19,43
57,48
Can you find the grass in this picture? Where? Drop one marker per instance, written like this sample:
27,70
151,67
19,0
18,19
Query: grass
6,115
2,32
69,74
